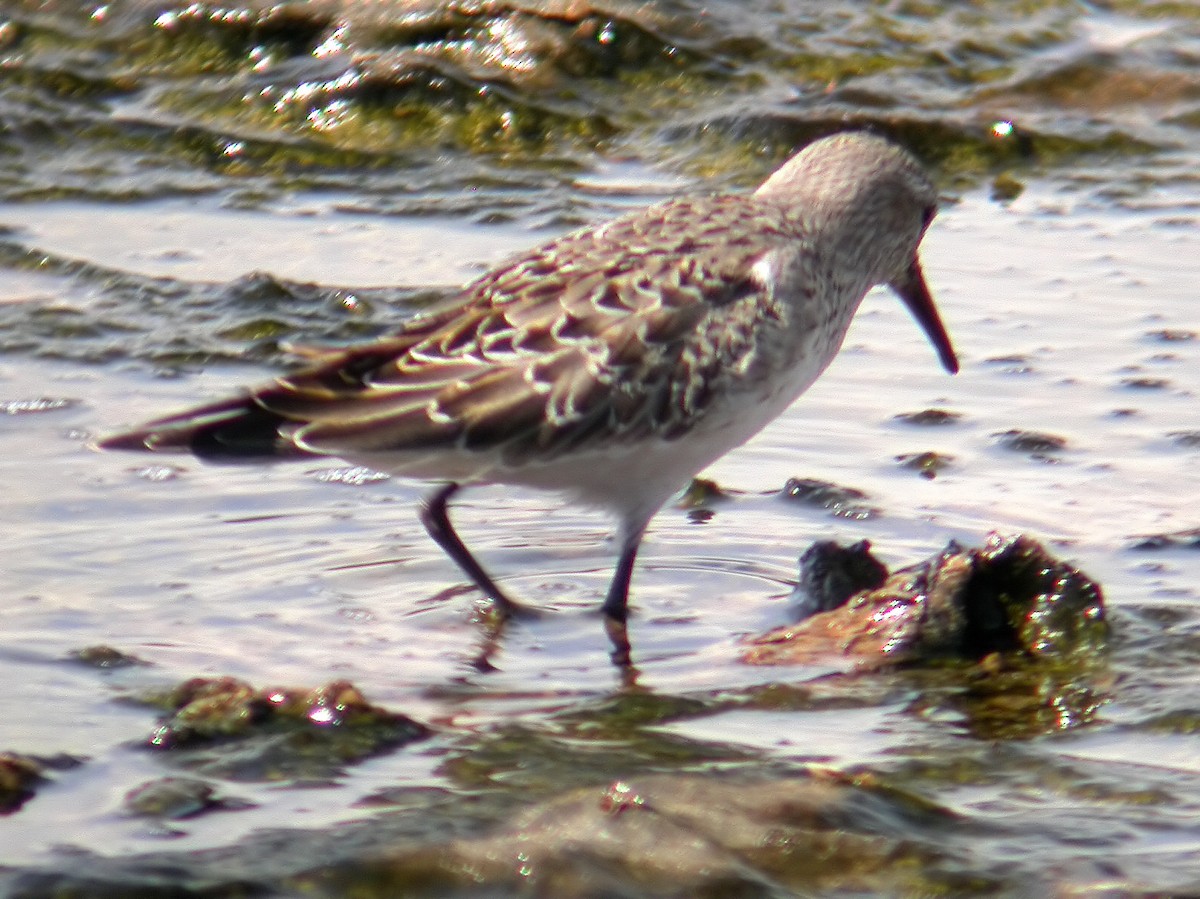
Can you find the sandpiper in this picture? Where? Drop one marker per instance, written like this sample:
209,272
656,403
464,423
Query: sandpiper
613,363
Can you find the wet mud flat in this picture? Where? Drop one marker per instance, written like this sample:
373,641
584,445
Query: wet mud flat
232,682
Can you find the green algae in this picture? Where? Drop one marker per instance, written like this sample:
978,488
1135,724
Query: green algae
224,727
266,91
927,464
106,657
1010,597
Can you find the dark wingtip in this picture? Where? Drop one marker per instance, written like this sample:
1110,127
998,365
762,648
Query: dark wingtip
233,429
131,440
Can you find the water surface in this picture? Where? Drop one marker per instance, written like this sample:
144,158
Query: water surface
186,191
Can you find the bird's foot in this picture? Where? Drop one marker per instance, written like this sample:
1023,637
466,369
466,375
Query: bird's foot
496,611
618,636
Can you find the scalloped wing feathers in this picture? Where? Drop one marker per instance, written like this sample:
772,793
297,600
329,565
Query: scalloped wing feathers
578,341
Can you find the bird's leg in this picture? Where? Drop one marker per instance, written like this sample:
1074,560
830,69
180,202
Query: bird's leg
436,518
616,603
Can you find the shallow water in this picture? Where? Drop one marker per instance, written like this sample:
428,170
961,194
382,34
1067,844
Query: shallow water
133,292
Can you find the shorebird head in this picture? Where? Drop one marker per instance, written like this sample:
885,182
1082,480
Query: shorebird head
874,202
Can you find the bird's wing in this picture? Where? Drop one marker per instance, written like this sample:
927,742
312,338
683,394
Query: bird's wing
601,335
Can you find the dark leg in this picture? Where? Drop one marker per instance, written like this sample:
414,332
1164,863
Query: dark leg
616,603
436,518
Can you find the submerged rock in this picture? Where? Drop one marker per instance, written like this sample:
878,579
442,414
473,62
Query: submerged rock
1006,186
703,834
1186,539
1172,335
225,727
701,492
926,464
19,777
176,798
831,573
1146,383
672,836
1037,444
844,502
927,418
103,656
1187,439
1012,596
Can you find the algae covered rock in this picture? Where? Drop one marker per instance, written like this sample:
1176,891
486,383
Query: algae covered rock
176,798
104,657
1011,596
225,727
843,502
19,777
673,836
1185,539
831,573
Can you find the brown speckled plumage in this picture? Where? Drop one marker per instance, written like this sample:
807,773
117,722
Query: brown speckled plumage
613,362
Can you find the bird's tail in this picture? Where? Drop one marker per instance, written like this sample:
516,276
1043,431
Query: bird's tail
231,430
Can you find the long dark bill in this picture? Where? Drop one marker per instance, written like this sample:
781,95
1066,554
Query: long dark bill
915,293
